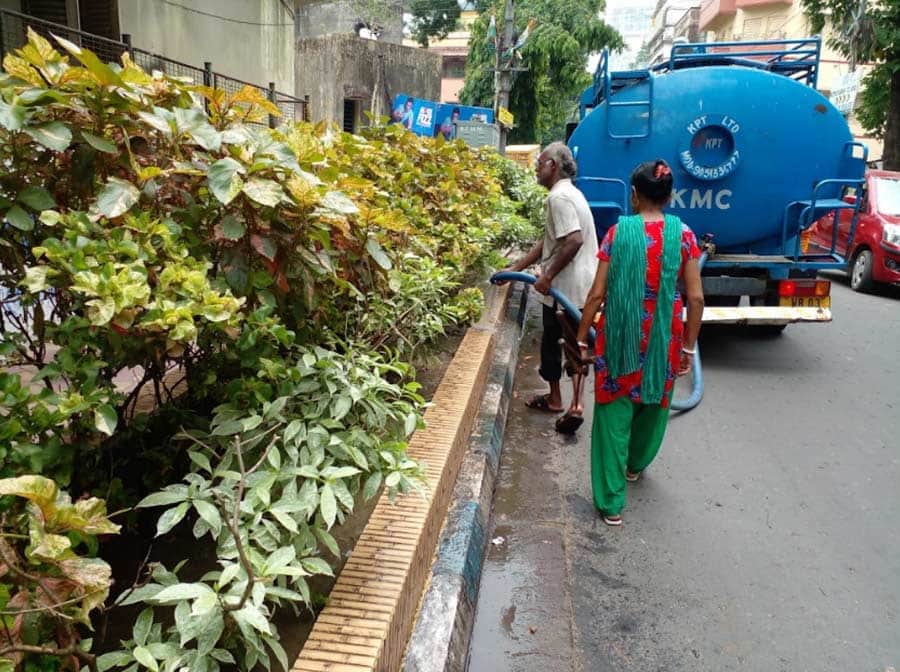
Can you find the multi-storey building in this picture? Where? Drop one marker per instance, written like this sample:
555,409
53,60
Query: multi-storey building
633,19
673,21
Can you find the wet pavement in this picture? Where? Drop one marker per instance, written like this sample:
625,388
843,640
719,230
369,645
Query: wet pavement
765,537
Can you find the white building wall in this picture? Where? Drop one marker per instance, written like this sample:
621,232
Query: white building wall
252,40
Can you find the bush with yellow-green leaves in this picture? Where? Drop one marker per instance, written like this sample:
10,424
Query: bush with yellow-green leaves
154,228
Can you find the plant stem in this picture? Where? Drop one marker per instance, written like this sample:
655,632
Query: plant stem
265,453
52,607
236,532
33,579
137,576
380,340
71,650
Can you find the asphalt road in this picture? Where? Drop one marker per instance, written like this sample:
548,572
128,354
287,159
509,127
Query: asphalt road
765,537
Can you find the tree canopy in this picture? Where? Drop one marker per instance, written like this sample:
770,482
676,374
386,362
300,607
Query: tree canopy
544,96
432,19
642,57
866,32
425,19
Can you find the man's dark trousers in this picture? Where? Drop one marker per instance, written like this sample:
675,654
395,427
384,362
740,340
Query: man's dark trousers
551,351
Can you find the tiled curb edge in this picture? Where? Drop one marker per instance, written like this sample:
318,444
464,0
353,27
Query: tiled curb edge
443,626
373,605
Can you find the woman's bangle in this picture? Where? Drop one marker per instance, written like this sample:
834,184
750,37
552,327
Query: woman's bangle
582,344
689,352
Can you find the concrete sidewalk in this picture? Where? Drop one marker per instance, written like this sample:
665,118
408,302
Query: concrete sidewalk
737,553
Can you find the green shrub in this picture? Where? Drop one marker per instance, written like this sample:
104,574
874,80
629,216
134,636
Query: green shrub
151,227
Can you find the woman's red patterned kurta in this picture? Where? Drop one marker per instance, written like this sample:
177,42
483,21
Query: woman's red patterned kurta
607,388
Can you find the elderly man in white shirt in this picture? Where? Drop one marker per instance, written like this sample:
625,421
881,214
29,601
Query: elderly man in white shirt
568,262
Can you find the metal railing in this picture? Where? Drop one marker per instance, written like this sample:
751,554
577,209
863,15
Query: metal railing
795,58
14,34
149,62
292,109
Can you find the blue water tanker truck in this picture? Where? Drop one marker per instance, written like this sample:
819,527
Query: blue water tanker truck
757,155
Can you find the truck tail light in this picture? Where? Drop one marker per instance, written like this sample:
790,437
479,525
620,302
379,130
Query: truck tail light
804,288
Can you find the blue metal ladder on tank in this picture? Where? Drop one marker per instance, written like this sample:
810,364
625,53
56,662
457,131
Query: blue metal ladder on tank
814,208
606,82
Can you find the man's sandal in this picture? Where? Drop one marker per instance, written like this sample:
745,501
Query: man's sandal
541,403
569,423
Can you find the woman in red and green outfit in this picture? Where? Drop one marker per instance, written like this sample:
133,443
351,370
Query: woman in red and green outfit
641,343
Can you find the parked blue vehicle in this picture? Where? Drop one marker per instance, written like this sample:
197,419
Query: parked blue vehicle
758,155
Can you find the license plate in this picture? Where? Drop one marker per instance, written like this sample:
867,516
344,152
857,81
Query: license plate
805,302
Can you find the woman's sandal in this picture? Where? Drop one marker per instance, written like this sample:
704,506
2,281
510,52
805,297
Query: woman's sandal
633,476
612,521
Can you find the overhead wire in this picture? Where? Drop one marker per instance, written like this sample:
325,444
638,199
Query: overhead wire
226,18
212,15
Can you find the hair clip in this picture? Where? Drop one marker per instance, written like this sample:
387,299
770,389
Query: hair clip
661,170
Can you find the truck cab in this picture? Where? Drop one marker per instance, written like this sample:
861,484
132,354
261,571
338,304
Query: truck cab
873,248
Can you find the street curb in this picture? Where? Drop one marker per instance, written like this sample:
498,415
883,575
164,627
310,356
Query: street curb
443,625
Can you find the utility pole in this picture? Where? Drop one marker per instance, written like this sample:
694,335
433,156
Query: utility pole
503,71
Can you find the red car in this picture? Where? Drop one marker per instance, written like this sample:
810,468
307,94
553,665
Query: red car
874,256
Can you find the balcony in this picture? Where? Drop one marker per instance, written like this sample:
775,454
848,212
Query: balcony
688,26
658,44
743,4
711,10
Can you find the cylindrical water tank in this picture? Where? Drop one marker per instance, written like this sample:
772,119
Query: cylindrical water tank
746,147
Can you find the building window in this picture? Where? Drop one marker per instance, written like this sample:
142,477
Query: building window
752,28
349,122
100,17
47,10
775,26
454,69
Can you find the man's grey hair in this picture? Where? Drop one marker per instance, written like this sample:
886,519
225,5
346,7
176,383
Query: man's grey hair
562,157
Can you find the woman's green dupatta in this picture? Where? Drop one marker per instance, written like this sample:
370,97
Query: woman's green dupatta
625,304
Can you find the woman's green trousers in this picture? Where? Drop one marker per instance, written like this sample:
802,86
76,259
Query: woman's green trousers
624,435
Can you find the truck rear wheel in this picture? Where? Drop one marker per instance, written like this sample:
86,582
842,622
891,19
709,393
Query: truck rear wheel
861,272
